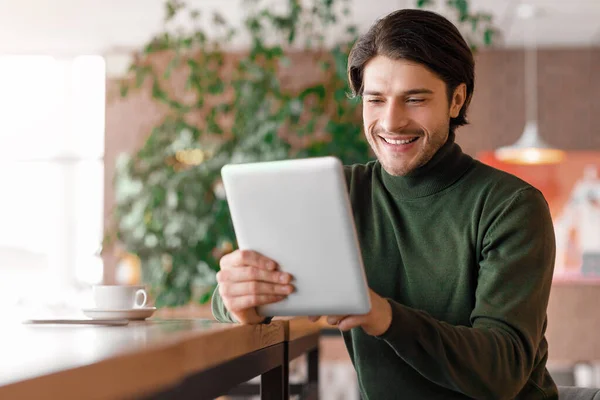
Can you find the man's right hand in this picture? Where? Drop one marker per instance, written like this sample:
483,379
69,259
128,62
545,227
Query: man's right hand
247,280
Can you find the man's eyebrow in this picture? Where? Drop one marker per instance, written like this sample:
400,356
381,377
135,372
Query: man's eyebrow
405,93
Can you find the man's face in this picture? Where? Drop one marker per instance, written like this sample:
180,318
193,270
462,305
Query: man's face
406,112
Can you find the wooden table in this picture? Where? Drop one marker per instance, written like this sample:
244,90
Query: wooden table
301,337
180,358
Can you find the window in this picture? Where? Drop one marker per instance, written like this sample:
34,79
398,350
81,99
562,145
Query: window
51,172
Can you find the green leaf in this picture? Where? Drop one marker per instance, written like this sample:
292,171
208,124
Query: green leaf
158,93
187,42
205,298
253,25
124,89
150,48
140,75
193,64
174,61
172,8
352,30
340,95
309,129
462,6
291,36
211,122
223,108
340,59
488,36
274,52
424,3
231,32
474,22
176,105
216,87
318,90
159,43
200,37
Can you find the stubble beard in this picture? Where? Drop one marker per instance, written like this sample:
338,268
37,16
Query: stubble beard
425,152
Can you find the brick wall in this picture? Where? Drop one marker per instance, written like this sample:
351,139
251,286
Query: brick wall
568,85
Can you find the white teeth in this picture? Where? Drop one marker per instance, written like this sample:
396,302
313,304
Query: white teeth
390,141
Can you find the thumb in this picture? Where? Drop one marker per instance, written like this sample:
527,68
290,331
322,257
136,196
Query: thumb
350,322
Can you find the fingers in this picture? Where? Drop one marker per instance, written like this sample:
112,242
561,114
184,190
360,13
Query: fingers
347,323
334,319
249,258
247,279
243,281
244,274
237,289
242,303
314,318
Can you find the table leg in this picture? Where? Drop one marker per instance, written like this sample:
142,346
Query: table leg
312,385
313,366
272,384
286,372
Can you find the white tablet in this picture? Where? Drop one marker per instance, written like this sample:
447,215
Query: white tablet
298,213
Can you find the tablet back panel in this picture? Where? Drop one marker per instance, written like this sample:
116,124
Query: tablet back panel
297,212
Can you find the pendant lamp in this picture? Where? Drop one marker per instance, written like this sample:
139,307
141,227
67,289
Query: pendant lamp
530,148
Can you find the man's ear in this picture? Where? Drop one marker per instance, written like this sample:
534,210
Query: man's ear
458,100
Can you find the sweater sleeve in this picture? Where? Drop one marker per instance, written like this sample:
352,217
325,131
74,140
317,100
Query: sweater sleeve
493,357
219,310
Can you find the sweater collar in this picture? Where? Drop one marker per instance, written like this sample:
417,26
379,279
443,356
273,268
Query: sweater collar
444,168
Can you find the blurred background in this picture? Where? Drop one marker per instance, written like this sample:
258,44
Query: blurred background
116,117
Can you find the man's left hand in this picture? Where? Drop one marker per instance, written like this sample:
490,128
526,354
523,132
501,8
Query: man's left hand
375,323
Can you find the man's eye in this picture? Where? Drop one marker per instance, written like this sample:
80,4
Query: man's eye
415,101
375,101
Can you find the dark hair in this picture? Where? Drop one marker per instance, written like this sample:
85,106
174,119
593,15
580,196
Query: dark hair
423,37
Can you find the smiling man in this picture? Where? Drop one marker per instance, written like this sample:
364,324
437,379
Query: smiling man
459,256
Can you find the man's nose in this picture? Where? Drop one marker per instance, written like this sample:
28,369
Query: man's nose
394,118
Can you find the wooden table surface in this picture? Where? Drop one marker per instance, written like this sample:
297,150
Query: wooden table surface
99,362
301,327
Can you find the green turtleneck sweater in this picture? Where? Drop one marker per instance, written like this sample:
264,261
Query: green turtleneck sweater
464,253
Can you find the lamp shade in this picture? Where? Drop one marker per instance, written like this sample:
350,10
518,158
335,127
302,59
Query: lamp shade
530,149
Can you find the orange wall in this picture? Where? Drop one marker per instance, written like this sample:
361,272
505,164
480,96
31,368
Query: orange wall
555,181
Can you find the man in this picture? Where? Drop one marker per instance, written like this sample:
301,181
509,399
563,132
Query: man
459,256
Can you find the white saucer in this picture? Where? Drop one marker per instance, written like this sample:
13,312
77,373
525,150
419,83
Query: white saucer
132,313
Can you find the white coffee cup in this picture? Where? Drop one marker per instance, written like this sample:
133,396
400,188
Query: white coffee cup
119,297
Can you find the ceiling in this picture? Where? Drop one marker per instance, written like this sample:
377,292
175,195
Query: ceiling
69,27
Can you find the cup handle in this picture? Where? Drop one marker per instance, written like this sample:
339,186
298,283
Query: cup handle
137,294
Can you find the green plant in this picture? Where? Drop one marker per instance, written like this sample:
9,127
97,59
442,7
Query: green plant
476,27
233,107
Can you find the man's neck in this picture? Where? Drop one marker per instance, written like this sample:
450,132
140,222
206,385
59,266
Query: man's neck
447,165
